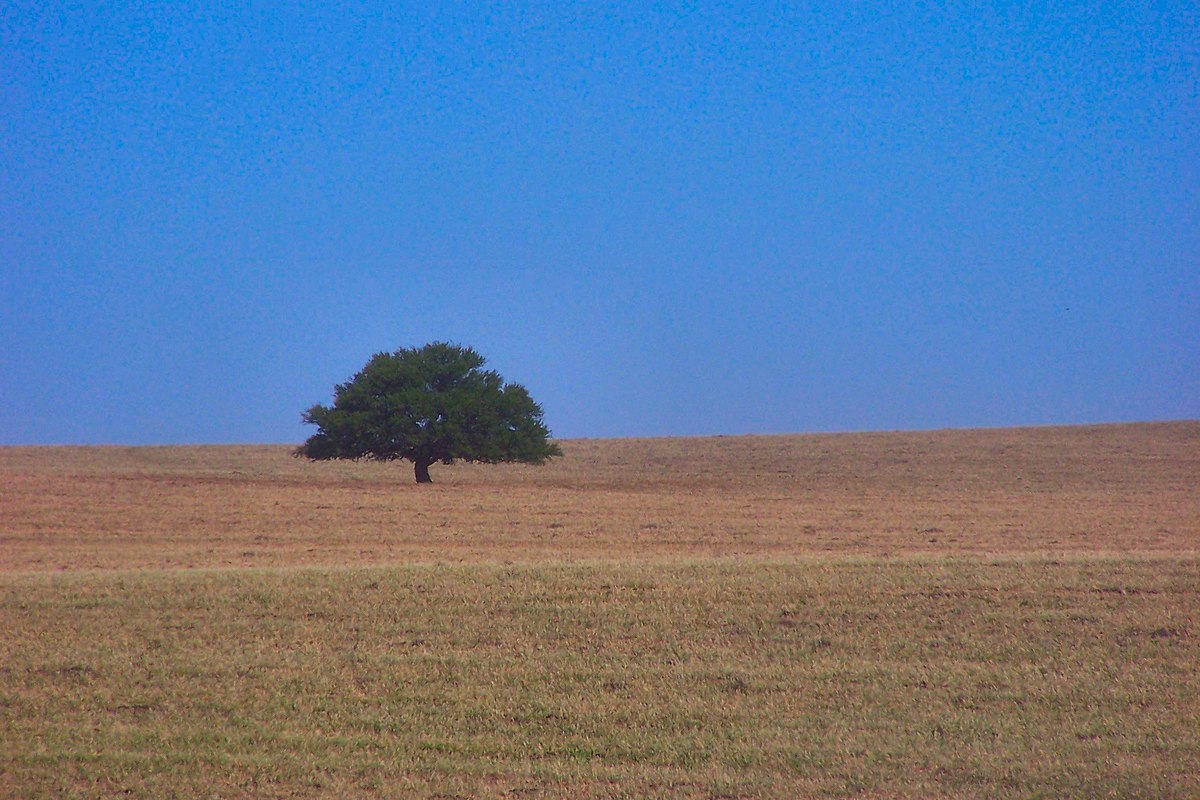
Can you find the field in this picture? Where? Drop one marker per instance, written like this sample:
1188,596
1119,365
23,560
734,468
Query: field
990,613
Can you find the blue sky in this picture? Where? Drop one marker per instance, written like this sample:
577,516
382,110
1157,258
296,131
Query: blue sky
663,219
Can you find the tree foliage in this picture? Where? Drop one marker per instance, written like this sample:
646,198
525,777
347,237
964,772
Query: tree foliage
429,404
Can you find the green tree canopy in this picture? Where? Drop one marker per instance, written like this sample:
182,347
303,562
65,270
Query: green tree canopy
429,404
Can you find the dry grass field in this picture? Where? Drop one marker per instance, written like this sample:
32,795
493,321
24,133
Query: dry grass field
990,613
1051,491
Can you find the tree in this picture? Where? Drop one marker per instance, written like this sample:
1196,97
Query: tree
429,404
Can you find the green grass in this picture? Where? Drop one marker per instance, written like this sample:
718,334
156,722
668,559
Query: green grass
1009,678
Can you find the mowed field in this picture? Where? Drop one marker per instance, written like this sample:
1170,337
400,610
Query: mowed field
989,613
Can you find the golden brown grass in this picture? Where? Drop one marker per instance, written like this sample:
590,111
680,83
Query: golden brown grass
714,679
947,614
1049,491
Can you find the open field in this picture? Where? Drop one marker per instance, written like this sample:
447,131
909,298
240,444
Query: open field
1104,489
975,679
954,613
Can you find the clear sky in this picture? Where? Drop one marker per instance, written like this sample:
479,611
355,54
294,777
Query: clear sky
663,219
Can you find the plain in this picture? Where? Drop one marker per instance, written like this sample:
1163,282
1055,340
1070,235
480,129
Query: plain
985,613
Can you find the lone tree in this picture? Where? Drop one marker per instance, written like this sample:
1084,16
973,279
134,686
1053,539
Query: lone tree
429,404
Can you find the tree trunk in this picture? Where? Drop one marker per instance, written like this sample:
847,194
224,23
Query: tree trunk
422,470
